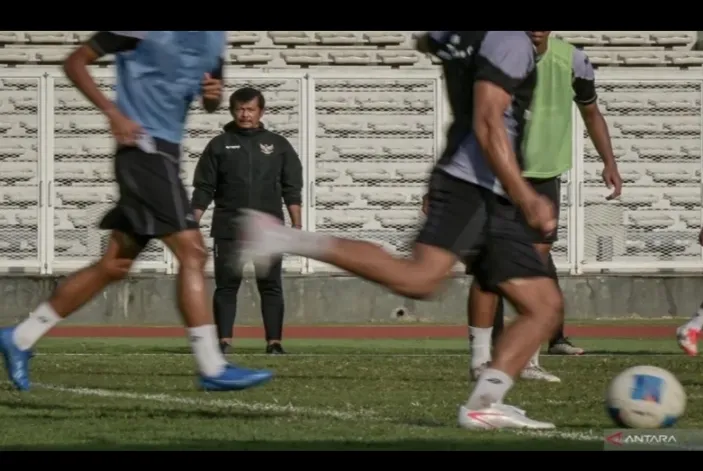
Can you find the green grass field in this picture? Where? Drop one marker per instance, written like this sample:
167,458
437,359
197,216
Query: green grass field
361,394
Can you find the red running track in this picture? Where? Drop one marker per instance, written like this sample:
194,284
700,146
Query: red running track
359,332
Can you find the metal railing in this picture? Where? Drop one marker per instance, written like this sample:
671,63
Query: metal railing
366,139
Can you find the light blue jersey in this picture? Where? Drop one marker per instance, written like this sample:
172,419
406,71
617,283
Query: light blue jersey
159,78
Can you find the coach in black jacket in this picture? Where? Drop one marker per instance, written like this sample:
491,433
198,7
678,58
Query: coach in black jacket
247,166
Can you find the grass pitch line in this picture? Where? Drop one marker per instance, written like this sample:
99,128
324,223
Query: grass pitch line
574,436
279,409
216,403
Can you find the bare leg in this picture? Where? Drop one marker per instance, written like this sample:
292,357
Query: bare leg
264,239
82,286
482,306
418,277
539,305
498,322
543,250
558,344
79,288
538,301
189,248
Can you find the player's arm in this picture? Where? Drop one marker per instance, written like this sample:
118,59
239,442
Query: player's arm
586,99
211,101
100,44
502,63
211,95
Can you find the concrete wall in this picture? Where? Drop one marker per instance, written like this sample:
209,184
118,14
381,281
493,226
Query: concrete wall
343,299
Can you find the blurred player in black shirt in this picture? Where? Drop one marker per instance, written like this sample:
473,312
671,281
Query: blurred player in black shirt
477,200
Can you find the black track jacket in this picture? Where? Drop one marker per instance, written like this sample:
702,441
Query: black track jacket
246,168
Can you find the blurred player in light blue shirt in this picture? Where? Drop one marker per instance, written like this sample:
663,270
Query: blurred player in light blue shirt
159,73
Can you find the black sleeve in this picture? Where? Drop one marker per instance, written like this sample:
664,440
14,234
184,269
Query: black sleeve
218,72
292,177
505,58
205,179
584,79
436,43
111,42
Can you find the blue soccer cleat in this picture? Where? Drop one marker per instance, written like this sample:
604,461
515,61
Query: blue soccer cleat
234,378
16,360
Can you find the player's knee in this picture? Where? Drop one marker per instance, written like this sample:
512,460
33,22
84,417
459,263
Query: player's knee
193,254
115,269
549,309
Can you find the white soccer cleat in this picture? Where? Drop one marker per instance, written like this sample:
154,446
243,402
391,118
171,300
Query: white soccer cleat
499,416
537,373
687,338
260,238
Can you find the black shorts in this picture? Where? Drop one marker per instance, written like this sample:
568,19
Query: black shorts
551,188
153,202
467,219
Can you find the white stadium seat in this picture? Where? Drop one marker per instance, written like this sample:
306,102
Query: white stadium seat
375,139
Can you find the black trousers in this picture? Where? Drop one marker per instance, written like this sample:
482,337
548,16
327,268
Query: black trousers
228,278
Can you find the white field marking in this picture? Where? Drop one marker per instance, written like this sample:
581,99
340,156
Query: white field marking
576,436
217,403
353,355
290,409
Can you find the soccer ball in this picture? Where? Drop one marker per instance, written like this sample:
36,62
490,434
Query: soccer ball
645,397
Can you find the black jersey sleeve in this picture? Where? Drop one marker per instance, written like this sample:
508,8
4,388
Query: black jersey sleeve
111,42
436,41
583,79
505,58
219,71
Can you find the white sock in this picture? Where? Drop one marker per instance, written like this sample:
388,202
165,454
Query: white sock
206,349
534,361
491,388
39,322
696,321
480,340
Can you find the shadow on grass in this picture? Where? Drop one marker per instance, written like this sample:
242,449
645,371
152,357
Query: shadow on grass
527,444
77,411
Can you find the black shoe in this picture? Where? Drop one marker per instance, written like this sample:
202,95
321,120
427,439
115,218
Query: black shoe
225,348
275,349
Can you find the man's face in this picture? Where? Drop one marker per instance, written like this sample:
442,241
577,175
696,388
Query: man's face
539,37
248,114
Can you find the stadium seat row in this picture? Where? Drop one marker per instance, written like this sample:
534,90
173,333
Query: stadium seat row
281,49
350,57
375,38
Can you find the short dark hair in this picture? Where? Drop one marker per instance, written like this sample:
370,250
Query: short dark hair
245,95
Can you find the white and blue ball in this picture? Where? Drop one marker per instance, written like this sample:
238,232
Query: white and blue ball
645,397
